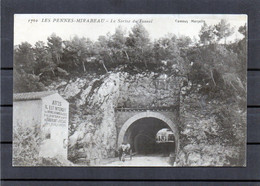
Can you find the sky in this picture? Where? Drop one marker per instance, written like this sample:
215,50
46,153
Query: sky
38,27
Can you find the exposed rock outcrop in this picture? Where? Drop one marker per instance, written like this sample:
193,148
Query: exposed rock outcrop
93,130
92,106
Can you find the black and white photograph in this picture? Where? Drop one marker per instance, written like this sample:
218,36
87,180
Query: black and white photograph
130,90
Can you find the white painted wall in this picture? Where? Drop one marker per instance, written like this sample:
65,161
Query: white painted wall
27,113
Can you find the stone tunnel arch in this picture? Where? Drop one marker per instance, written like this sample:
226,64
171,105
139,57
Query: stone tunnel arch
149,114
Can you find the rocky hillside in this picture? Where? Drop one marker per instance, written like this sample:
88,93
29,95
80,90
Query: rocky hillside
212,130
93,100
206,138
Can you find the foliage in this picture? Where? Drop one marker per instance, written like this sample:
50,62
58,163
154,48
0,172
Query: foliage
243,30
77,53
55,48
24,59
216,67
208,62
207,35
210,34
139,47
24,82
223,30
26,145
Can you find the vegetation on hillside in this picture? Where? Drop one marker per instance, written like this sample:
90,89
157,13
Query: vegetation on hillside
209,60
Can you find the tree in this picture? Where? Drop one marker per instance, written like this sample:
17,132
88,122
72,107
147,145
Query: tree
43,59
166,48
139,37
78,52
139,45
207,34
242,30
167,54
118,38
184,41
118,45
103,52
241,49
26,82
24,59
55,48
26,78
223,30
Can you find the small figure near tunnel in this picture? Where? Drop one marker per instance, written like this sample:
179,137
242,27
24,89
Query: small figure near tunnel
123,150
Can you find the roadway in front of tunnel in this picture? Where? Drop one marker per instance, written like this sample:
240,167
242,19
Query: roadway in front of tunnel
139,160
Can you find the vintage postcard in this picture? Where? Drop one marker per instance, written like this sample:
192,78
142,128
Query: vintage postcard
129,90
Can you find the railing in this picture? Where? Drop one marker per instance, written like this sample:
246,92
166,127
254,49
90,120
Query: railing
124,109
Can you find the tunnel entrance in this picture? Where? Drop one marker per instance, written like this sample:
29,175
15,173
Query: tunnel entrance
141,135
140,132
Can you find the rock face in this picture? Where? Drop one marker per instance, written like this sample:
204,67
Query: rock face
93,101
93,130
205,138
149,90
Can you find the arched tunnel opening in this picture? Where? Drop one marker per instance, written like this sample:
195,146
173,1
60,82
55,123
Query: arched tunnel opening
141,135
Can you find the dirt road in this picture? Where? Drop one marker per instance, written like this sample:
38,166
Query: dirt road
139,160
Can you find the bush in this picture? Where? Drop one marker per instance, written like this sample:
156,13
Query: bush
26,142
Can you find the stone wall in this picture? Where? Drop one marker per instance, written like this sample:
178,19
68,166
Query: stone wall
122,116
149,90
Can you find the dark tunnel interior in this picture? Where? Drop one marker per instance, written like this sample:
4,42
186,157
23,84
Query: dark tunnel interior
141,135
